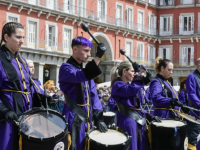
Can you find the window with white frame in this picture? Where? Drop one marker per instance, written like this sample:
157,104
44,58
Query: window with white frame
119,14
69,6
186,55
67,38
166,25
81,9
152,23
129,17
32,32
140,50
51,36
140,21
102,10
12,17
186,24
33,2
129,47
151,53
51,4
165,52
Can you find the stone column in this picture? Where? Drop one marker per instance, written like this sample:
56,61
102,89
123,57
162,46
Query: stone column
39,71
54,72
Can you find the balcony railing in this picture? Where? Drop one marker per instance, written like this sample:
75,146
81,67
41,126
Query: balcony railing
86,13
165,2
150,62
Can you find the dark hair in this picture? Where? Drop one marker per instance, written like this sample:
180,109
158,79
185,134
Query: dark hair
160,62
182,86
9,28
81,41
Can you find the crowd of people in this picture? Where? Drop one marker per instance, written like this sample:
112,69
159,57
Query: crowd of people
83,103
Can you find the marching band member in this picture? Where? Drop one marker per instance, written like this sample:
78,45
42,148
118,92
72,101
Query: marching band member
78,86
15,87
193,87
163,95
130,116
183,96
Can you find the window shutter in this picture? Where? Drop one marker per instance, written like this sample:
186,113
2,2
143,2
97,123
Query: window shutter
155,24
46,36
160,52
192,24
192,56
161,2
150,30
171,25
56,37
168,54
161,25
180,25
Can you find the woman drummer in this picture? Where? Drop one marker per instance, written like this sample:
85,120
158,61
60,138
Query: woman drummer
163,95
124,94
15,93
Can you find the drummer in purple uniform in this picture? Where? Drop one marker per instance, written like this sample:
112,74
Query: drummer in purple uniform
16,94
130,117
193,90
163,95
79,88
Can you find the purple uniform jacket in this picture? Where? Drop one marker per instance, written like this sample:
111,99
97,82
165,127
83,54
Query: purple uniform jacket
38,83
182,97
125,94
7,130
193,92
69,77
141,96
159,98
147,95
112,104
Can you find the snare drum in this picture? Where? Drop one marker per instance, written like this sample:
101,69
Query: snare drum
109,118
168,135
40,130
111,140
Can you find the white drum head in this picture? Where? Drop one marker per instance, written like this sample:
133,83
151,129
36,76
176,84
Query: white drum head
169,123
111,137
108,113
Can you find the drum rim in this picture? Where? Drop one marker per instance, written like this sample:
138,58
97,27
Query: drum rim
42,110
112,128
185,123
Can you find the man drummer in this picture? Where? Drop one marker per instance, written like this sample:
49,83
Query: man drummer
79,88
15,90
193,90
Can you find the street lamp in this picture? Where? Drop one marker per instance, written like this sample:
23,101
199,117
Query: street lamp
46,73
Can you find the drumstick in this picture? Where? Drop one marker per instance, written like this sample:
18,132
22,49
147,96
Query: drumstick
191,108
45,93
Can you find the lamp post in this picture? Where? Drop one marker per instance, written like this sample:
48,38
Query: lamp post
46,75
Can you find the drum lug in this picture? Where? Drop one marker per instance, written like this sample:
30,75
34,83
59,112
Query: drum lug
123,143
106,145
29,137
64,116
41,139
113,125
109,126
